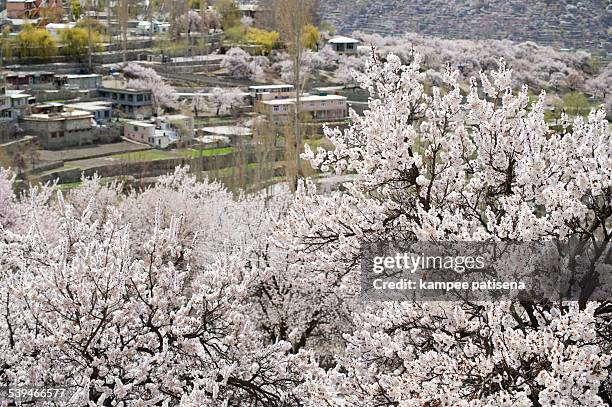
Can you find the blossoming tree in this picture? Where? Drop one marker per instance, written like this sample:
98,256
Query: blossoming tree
481,166
182,294
140,77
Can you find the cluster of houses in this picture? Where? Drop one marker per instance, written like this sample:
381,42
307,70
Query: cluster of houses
70,109
64,124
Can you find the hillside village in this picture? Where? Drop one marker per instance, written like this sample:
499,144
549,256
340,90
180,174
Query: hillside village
133,89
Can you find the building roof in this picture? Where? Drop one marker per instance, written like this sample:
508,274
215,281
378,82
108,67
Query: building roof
27,73
141,124
306,98
248,7
49,104
315,98
257,87
74,114
228,130
23,21
14,95
120,86
329,88
59,26
343,40
92,106
79,76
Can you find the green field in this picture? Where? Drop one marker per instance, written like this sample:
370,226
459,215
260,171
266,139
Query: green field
155,155
191,153
149,155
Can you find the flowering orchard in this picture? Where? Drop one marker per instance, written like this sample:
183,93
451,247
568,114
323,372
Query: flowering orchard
183,294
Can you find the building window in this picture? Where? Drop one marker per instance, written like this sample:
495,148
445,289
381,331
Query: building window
135,128
276,108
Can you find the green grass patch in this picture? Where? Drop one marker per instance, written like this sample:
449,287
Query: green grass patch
148,155
209,152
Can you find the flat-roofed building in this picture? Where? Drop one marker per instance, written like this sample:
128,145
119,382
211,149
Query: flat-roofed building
75,81
131,103
20,8
267,92
319,107
5,104
21,103
101,111
139,131
20,80
163,132
344,45
60,130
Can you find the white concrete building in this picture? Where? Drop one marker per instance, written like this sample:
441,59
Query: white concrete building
55,28
20,103
344,45
101,111
163,132
159,27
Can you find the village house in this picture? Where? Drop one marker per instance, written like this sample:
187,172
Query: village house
163,132
23,80
131,103
83,82
21,9
21,103
60,130
5,104
248,10
49,107
319,107
268,92
143,132
101,111
344,45
261,14
55,28
144,27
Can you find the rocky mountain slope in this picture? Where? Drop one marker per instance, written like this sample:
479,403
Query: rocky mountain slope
581,24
